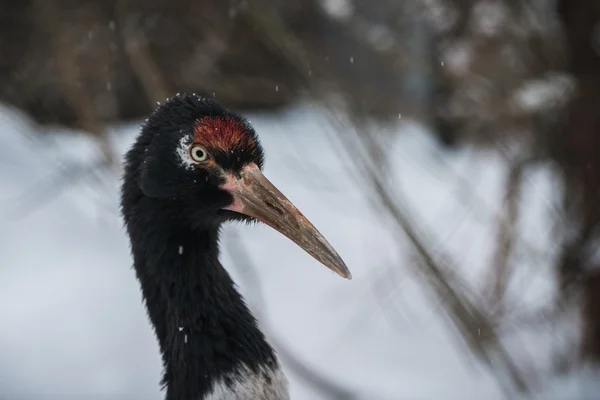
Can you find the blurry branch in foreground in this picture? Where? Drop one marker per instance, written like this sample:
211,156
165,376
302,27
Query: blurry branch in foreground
501,266
365,149
476,329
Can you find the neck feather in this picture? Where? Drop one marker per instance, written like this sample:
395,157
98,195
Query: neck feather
209,340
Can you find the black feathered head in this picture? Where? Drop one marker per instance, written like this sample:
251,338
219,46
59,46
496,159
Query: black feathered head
199,164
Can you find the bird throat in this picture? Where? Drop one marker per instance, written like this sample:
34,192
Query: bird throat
210,343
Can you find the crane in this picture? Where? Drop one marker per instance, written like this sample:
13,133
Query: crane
194,166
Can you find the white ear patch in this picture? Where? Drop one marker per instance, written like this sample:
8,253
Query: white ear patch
267,384
183,150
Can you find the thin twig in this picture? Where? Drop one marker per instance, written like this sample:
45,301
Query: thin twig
476,329
506,237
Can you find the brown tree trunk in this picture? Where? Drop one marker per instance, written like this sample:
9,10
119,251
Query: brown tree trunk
576,148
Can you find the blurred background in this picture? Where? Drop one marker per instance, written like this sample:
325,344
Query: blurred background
449,149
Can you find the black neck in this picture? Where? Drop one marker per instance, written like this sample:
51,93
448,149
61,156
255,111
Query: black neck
204,328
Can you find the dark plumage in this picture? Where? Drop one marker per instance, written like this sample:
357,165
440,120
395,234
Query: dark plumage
192,160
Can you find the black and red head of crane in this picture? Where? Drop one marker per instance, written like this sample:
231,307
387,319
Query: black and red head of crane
203,163
194,166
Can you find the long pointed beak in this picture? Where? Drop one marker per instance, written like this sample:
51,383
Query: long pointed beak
255,196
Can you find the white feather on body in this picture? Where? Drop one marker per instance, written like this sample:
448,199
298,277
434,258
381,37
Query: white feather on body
267,384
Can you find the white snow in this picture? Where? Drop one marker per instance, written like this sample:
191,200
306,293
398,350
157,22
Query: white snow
338,9
72,321
543,94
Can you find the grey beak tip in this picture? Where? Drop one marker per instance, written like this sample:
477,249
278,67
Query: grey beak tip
344,272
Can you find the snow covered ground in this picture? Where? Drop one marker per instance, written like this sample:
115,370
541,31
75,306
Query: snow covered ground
72,324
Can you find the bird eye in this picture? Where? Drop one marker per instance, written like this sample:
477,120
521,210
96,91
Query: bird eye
198,153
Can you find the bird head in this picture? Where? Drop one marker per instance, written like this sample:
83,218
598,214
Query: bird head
204,163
